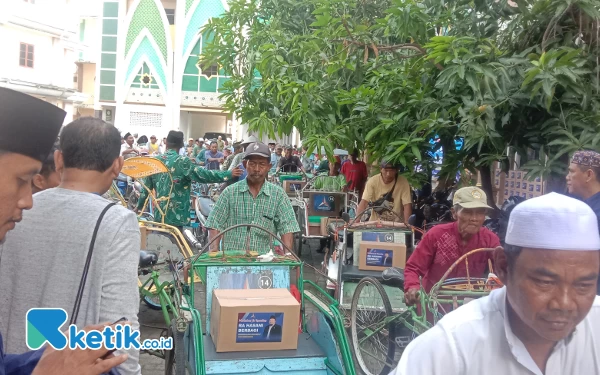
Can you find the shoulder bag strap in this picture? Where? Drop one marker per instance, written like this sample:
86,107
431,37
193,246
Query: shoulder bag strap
389,193
86,268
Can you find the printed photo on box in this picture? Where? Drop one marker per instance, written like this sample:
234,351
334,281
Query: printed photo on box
379,257
324,202
259,327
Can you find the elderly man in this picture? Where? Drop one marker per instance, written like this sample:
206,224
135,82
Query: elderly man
545,321
445,243
253,201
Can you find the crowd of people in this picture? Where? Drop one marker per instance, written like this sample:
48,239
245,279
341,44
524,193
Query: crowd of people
545,320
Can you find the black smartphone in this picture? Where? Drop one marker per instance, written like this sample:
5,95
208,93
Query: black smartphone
123,319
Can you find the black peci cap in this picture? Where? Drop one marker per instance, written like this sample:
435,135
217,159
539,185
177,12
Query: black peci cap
175,137
28,126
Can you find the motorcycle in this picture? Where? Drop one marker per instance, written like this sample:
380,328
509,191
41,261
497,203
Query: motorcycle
500,224
203,197
431,210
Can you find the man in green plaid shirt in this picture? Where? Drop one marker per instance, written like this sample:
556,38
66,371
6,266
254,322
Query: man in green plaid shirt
253,201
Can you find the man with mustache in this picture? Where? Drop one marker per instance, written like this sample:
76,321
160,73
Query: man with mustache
583,181
28,129
545,321
253,201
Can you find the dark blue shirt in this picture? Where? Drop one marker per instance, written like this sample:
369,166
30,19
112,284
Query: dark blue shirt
594,203
18,364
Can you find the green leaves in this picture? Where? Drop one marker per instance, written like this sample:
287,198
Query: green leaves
389,76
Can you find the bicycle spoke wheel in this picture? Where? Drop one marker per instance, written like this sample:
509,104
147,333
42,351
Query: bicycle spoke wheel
372,335
153,301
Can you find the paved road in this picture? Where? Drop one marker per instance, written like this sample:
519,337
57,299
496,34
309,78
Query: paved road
152,322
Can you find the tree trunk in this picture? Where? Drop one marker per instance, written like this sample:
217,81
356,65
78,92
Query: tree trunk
485,172
557,183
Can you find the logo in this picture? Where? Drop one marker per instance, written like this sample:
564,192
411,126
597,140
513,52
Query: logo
255,146
476,194
44,326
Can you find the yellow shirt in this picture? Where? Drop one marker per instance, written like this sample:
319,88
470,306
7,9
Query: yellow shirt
152,147
402,195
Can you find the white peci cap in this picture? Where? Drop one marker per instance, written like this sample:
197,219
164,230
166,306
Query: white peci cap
555,222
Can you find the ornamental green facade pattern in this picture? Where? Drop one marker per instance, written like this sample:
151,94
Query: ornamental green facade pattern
136,40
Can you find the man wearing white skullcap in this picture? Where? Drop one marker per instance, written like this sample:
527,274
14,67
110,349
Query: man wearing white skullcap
545,321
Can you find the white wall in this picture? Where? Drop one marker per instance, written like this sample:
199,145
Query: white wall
53,64
201,123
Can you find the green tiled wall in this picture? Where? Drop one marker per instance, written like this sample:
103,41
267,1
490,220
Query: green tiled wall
108,57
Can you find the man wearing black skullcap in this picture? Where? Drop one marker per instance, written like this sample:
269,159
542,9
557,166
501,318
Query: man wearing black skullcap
128,149
28,129
183,172
89,160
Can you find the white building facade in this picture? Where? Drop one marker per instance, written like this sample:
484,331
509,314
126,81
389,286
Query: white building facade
40,44
150,80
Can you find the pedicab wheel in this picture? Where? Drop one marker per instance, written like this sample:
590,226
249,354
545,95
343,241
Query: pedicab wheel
175,358
132,200
152,302
372,336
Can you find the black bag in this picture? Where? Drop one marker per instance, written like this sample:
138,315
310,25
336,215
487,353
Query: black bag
86,268
384,203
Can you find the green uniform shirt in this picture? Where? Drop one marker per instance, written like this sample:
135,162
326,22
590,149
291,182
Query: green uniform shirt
227,163
323,166
197,150
330,183
200,157
237,160
183,172
271,209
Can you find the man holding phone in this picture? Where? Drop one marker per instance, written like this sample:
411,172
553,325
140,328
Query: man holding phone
28,129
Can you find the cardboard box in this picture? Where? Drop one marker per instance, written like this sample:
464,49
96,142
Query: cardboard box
371,236
377,256
324,203
325,221
254,319
314,229
291,186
